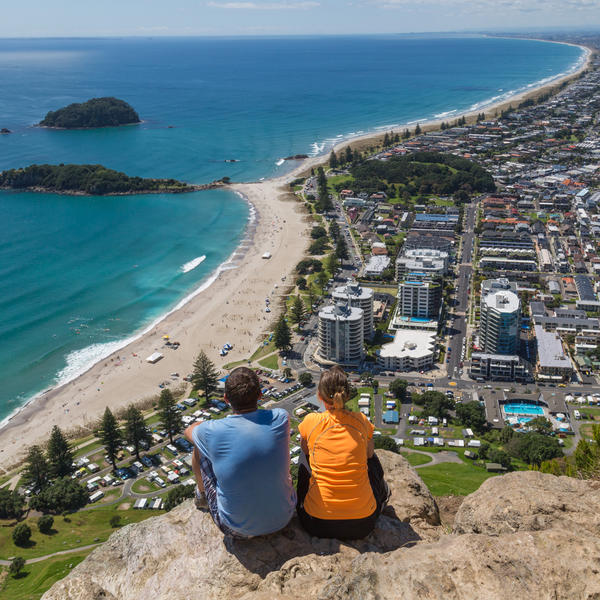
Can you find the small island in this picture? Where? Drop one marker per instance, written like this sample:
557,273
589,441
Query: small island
97,112
93,180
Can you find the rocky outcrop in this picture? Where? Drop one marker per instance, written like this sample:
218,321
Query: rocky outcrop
182,555
530,501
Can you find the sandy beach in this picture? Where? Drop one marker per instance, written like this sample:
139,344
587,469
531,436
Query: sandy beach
229,310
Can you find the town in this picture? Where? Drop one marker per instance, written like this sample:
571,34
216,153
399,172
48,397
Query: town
453,272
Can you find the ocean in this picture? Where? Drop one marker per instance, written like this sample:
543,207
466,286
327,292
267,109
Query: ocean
80,275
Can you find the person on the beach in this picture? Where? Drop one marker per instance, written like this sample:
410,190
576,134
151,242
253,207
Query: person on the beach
242,462
341,489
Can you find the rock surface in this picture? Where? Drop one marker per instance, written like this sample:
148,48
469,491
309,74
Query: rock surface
182,555
530,501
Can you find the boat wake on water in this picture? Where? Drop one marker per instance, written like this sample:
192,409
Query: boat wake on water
192,264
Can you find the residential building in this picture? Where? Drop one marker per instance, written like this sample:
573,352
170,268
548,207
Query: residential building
588,300
341,334
419,298
377,265
423,260
359,297
500,316
498,367
410,351
552,363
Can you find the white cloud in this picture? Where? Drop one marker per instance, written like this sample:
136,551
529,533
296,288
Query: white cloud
511,5
265,5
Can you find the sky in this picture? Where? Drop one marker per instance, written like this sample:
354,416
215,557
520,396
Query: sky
88,18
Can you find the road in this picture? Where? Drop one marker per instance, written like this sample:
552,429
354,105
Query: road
459,319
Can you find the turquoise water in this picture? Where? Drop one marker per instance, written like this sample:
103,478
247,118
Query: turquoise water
77,274
523,409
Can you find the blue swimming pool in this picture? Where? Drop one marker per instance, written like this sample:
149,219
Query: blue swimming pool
523,408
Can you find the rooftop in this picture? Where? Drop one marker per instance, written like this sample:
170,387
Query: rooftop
352,290
550,349
410,342
503,301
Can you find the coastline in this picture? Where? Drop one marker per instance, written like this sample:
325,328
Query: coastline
362,141
224,308
189,187
227,307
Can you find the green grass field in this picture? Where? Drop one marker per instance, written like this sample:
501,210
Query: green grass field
453,479
81,529
143,486
263,350
416,459
39,577
271,362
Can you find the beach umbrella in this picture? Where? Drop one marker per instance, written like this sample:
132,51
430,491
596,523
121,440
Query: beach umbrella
165,337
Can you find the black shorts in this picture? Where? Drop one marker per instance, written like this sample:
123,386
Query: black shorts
343,529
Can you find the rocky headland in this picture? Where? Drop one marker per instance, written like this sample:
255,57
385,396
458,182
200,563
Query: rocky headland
521,535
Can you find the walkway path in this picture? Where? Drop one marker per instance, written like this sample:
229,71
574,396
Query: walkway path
30,561
444,456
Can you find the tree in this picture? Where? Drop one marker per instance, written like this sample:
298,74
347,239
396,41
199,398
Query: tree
333,160
331,263
282,336
321,280
312,296
110,436
506,434
204,375
16,566
136,431
318,231
435,404
318,246
298,310
500,457
348,154
587,455
385,442
540,425
115,521
64,494
334,231
45,523
472,415
305,379
177,495
341,249
287,372
169,417
36,468
12,504
21,534
418,129
60,455
301,283
398,388
534,448
405,134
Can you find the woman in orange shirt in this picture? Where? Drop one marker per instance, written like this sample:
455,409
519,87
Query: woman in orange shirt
341,489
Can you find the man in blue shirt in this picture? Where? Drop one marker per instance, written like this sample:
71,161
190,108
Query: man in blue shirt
242,462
